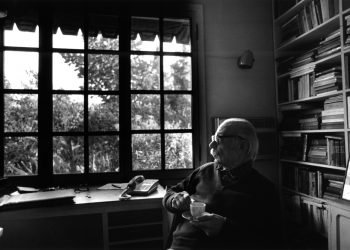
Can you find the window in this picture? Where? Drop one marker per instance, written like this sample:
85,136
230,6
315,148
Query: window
103,97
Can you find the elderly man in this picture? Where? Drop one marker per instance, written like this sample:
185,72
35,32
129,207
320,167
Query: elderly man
241,205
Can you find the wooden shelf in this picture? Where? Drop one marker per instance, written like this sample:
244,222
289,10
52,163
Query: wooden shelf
305,163
311,177
312,98
310,37
332,59
316,131
291,12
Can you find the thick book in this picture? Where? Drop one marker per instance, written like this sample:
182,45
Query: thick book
330,176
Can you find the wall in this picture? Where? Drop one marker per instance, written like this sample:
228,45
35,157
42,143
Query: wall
232,26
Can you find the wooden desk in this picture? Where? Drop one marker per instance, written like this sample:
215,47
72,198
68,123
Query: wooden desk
97,220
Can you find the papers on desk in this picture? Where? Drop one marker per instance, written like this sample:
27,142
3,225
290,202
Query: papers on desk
113,186
38,198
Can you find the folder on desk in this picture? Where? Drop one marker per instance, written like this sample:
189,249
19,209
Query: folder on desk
38,198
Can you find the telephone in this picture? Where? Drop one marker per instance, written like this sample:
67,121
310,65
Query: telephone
139,186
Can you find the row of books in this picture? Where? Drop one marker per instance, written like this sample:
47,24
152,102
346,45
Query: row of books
313,182
328,80
347,30
310,16
310,119
327,150
333,114
330,115
328,45
303,63
311,84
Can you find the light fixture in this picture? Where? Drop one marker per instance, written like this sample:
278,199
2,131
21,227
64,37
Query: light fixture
246,60
3,13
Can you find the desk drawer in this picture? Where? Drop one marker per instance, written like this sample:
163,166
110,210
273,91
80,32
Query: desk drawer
135,232
134,217
151,244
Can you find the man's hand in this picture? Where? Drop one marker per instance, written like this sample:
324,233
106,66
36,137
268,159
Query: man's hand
211,224
181,201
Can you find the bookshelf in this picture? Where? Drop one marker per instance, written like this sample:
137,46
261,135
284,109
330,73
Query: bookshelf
312,53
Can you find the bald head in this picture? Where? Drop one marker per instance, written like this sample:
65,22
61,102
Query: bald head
244,129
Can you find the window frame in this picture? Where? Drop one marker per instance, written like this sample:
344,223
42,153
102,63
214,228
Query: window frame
45,175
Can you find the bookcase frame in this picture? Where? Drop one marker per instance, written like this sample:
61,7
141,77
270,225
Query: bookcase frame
298,45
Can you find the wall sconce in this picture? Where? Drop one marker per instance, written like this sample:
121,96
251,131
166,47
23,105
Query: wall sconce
246,60
3,13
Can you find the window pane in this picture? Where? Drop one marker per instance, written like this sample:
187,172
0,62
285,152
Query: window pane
103,113
176,35
145,111
68,71
68,154
21,113
21,70
144,33
146,152
177,73
177,111
103,32
103,43
19,38
103,154
103,72
21,156
68,113
145,72
178,151
60,40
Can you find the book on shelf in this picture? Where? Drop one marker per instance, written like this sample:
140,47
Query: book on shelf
324,9
333,8
336,184
337,111
329,52
348,104
323,79
305,143
312,9
333,176
334,102
331,36
325,118
327,90
347,19
328,70
335,151
317,152
318,11
308,18
302,70
330,82
295,106
319,184
310,119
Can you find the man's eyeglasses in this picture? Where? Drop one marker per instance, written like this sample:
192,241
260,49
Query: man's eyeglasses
218,138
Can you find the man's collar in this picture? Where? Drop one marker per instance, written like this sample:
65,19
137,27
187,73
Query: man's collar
238,171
